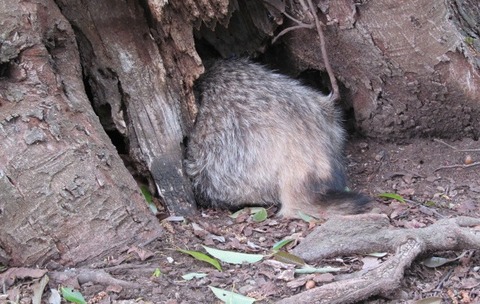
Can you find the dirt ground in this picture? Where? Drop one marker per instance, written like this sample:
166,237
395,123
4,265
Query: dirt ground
437,178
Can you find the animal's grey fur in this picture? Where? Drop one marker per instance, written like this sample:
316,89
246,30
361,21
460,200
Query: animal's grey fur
263,138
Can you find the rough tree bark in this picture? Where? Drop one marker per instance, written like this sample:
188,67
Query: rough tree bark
65,195
140,63
410,68
62,180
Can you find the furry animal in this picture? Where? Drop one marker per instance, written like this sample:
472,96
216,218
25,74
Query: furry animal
262,138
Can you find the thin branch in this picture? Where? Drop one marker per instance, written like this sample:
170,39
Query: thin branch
296,20
333,81
457,166
455,148
309,7
305,6
444,143
439,215
291,28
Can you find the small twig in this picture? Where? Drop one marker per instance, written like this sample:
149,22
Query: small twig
443,280
439,215
444,143
308,6
455,148
291,28
299,25
457,166
296,20
304,5
468,150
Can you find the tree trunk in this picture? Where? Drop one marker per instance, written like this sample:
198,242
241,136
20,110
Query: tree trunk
407,69
65,195
139,64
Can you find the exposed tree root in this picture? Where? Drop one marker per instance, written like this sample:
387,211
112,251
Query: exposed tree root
369,233
76,277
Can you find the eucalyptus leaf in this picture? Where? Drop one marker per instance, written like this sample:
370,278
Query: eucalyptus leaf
280,244
378,254
305,217
71,295
231,297
254,210
232,257
193,275
237,213
146,193
433,262
260,215
393,196
148,198
202,257
288,258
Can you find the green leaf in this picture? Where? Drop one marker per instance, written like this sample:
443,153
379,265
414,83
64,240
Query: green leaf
260,215
202,257
233,257
430,203
469,40
72,296
310,269
157,272
251,210
305,217
231,297
392,196
193,275
237,213
254,210
288,258
146,193
280,244
153,208
148,198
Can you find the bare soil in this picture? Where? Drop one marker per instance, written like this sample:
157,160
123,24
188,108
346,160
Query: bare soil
436,178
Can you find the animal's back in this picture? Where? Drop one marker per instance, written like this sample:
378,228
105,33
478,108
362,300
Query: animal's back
263,138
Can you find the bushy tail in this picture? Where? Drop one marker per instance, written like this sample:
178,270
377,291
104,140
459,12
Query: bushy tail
345,202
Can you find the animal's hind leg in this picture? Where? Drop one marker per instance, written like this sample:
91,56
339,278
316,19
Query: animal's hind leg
303,190
295,197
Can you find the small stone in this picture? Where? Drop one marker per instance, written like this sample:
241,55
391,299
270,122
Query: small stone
363,145
310,284
468,160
